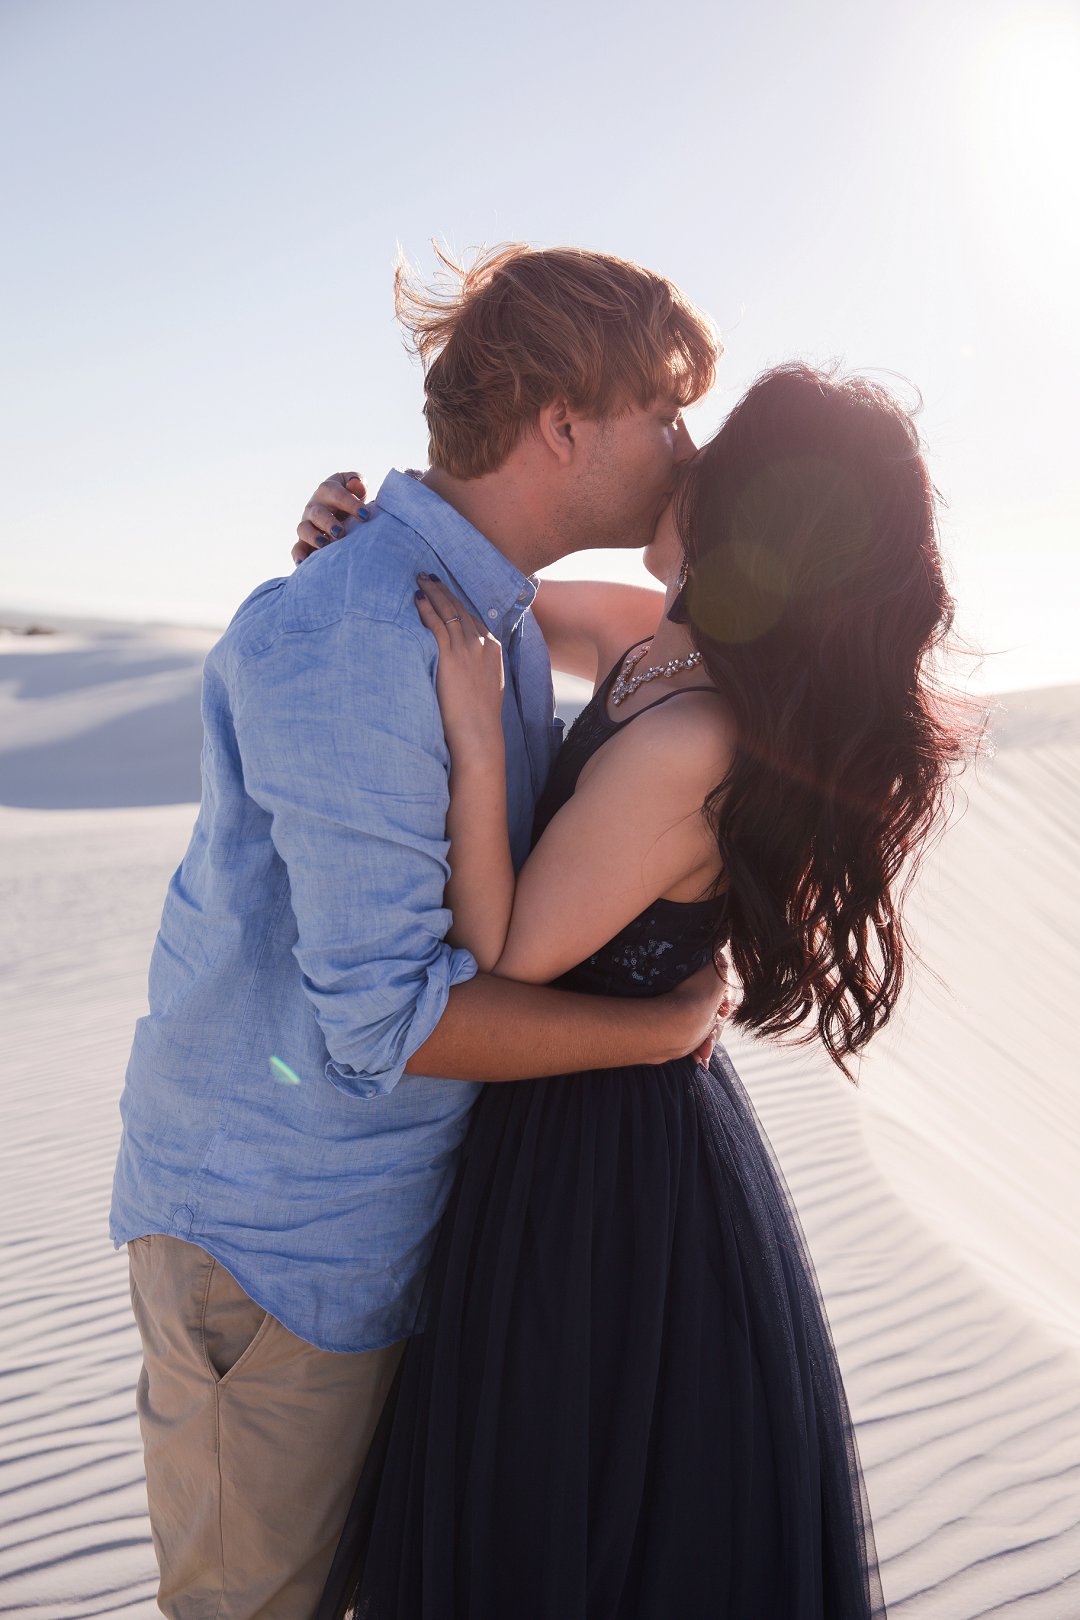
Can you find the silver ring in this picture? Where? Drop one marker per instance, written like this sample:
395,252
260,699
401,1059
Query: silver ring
455,618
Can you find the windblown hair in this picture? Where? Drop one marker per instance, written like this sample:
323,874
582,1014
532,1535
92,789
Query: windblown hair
817,598
518,328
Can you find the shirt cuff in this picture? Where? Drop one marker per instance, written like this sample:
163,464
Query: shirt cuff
451,966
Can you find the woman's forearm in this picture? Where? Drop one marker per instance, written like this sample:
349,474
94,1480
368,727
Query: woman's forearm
469,683
480,893
587,623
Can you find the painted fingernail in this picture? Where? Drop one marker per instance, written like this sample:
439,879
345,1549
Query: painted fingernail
362,513
435,577
336,530
420,597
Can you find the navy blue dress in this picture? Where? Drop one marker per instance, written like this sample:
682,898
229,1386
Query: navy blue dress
623,1401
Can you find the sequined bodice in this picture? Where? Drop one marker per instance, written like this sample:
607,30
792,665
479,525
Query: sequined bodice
666,942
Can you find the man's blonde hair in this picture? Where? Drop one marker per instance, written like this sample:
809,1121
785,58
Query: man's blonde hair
519,327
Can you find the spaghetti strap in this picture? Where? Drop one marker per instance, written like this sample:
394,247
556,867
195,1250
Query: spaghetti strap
667,697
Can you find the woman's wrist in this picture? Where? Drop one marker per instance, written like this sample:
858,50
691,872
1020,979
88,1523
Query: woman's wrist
478,758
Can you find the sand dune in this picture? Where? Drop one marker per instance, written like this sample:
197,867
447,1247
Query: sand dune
97,719
939,1201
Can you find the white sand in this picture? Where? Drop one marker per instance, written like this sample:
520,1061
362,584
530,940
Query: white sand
939,1201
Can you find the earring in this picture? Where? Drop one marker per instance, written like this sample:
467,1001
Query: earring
678,612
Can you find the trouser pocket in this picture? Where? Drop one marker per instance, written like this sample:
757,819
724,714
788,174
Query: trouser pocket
231,1323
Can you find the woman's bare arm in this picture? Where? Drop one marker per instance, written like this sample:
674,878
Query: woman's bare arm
493,1028
469,686
588,623
631,832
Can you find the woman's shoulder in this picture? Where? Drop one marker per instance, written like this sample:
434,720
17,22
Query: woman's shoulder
683,724
683,743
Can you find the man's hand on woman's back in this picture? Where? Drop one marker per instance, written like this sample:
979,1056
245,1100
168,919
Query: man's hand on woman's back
706,1000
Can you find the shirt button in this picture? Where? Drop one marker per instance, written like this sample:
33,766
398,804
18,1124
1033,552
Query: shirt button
523,597
493,613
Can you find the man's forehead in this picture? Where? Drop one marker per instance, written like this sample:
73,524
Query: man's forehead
631,406
663,402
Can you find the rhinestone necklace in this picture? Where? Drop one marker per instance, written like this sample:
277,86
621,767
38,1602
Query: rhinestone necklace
628,682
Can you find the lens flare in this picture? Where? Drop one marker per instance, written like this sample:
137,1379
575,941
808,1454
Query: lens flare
282,1072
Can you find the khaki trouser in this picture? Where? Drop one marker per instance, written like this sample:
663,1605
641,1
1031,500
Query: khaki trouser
254,1440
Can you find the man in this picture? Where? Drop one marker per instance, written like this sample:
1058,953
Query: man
286,1151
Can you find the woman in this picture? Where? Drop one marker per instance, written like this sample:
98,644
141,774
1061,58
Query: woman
623,1402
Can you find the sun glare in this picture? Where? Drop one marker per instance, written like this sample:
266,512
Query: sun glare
1026,135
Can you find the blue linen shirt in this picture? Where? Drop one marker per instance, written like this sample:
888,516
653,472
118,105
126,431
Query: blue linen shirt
306,924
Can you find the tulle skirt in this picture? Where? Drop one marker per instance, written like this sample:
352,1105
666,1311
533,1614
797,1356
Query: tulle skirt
623,1401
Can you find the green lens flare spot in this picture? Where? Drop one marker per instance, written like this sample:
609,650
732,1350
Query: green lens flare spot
282,1072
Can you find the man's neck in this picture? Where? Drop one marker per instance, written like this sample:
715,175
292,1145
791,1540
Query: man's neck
500,509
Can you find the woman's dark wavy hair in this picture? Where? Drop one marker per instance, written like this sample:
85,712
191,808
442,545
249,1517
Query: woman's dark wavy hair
817,598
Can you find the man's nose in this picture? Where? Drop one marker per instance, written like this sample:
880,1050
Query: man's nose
685,448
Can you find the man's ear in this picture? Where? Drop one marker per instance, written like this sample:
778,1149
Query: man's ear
557,426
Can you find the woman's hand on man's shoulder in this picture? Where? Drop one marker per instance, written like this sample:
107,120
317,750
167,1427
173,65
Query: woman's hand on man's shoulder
337,503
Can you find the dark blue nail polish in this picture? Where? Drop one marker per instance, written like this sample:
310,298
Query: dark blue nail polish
336,530
362,513
420,596
435,577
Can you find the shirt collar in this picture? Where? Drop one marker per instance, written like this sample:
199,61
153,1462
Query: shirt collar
497,591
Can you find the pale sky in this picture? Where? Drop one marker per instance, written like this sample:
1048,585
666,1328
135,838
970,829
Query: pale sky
203,201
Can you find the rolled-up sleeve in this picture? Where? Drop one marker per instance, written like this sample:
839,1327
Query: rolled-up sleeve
341,744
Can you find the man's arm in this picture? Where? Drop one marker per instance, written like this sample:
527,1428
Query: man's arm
341,744
496,1029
